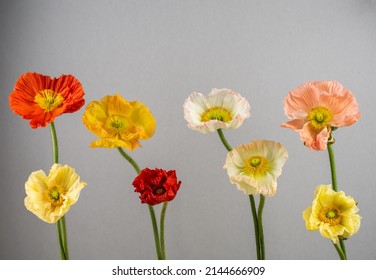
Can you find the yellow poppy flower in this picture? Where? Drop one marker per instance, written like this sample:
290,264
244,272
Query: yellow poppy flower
118,123
50,197
333,213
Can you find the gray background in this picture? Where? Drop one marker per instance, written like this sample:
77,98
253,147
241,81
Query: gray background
158,52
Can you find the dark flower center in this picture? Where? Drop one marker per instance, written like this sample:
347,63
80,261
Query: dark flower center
159,191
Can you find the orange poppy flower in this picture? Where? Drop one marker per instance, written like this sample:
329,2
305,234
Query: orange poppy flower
41,99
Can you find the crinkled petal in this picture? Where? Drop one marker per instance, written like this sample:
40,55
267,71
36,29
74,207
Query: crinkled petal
115,143
313,139
143,120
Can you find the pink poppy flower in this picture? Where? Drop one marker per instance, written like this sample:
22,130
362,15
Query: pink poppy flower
316,108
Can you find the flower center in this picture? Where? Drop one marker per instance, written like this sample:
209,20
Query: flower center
48,99
256,165
117,124
320,117
54,195
330,215
159,191
216,113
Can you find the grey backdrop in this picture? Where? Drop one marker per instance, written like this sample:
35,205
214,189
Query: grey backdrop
158,52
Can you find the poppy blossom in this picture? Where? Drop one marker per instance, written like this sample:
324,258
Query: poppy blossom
41,99
156,186
118,123
255,167
332,213
50,196
316,108
221,109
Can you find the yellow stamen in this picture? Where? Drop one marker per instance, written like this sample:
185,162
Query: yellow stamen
320,117
216,113
48,100
256,166
117,124
330,215
54,195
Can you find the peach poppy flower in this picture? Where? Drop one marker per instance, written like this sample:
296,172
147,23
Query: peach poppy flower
41,99
316,108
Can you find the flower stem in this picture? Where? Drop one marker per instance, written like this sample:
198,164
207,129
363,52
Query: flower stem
257,220
65,239
342,244
55,148
60,239
151,209
255,225
156,234
60,225
332,167
130,160
260,227
340,252
161,228
223,139
333,172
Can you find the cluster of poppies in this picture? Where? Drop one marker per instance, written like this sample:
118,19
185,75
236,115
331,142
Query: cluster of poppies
315,110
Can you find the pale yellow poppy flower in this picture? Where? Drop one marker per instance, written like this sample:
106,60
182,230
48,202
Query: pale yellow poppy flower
255,167
50,197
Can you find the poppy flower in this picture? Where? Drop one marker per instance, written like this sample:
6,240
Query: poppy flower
156,186
118,123
50,196
332,213
316,108
221,109
255,167
41,99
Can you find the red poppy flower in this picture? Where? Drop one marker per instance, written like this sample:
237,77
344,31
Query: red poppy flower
41,99
156,186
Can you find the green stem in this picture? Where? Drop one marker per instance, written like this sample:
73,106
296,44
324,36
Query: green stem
60,225
261,230
340,252
161,228
342,244
60,240
130,160
65,239
151,209
223,139
255,225
332,167
156,235
55,148
335,188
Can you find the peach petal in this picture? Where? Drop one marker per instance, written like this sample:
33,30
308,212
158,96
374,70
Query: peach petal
313,139
294,124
